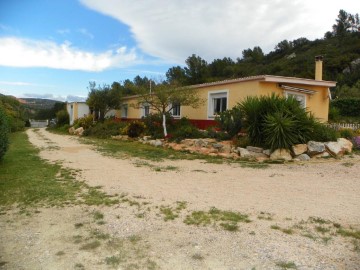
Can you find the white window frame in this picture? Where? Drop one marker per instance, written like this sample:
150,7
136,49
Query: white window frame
124,111
145,110
172,110
297,97
216,95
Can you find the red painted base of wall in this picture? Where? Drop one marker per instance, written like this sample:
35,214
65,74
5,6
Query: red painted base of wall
200,124
203,124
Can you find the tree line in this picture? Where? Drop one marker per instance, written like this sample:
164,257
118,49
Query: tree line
340,48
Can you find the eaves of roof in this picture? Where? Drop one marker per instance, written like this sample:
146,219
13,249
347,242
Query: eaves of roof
270,78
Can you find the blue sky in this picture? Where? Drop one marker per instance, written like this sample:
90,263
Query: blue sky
53,48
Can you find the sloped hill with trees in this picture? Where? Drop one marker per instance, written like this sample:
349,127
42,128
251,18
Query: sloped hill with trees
340,48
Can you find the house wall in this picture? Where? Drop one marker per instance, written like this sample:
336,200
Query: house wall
317,103
78,110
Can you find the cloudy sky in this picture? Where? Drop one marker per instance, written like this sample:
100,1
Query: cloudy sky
52,49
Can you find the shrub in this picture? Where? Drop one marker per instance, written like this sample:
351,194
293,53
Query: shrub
105,130
334,113
347,133
276,122
356,141
347,106
84,122
62,118
241,141
184,129
134,129
212,132
153,123
323,133
230,121
4,134
280,130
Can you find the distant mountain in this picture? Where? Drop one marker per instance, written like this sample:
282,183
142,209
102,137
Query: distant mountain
38,103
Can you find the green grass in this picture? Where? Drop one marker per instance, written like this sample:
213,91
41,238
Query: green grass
168,213
92,245
28,180
349,233
286,265
228,220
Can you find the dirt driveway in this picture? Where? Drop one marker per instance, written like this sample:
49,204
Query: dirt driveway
303,216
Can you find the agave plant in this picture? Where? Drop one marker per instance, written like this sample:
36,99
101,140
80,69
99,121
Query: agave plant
277,122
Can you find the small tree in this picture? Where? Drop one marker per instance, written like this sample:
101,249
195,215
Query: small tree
103,98
165,96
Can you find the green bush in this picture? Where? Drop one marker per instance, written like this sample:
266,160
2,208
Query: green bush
323,133
4,134
347,133
280,130
230,121
184,129
347,106
105,129
84,122
153,123
276,122
334,113
134,129
62,118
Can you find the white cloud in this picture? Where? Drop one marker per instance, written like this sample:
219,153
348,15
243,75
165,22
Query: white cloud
173,30
16,83
16,52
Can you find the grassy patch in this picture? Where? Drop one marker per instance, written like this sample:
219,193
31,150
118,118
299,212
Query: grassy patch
348,164
265,216
197,257
226,219
171,213
286,265
92,245
26,179
98,215
29,180
349,233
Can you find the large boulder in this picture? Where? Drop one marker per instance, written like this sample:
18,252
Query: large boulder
244,153
283,154
315,148
335,149
79,131
345,144
71,130
299,149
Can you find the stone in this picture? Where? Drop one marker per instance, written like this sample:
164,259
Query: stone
281,154
218,146
155,143
244,153
335,149
267,152
303,157
254,149
299,149
322,155
200,143
72,130
345,144
315,148
79,131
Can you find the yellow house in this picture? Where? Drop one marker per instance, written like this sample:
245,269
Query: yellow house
219,96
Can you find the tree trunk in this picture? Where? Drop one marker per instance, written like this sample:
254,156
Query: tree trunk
164,125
